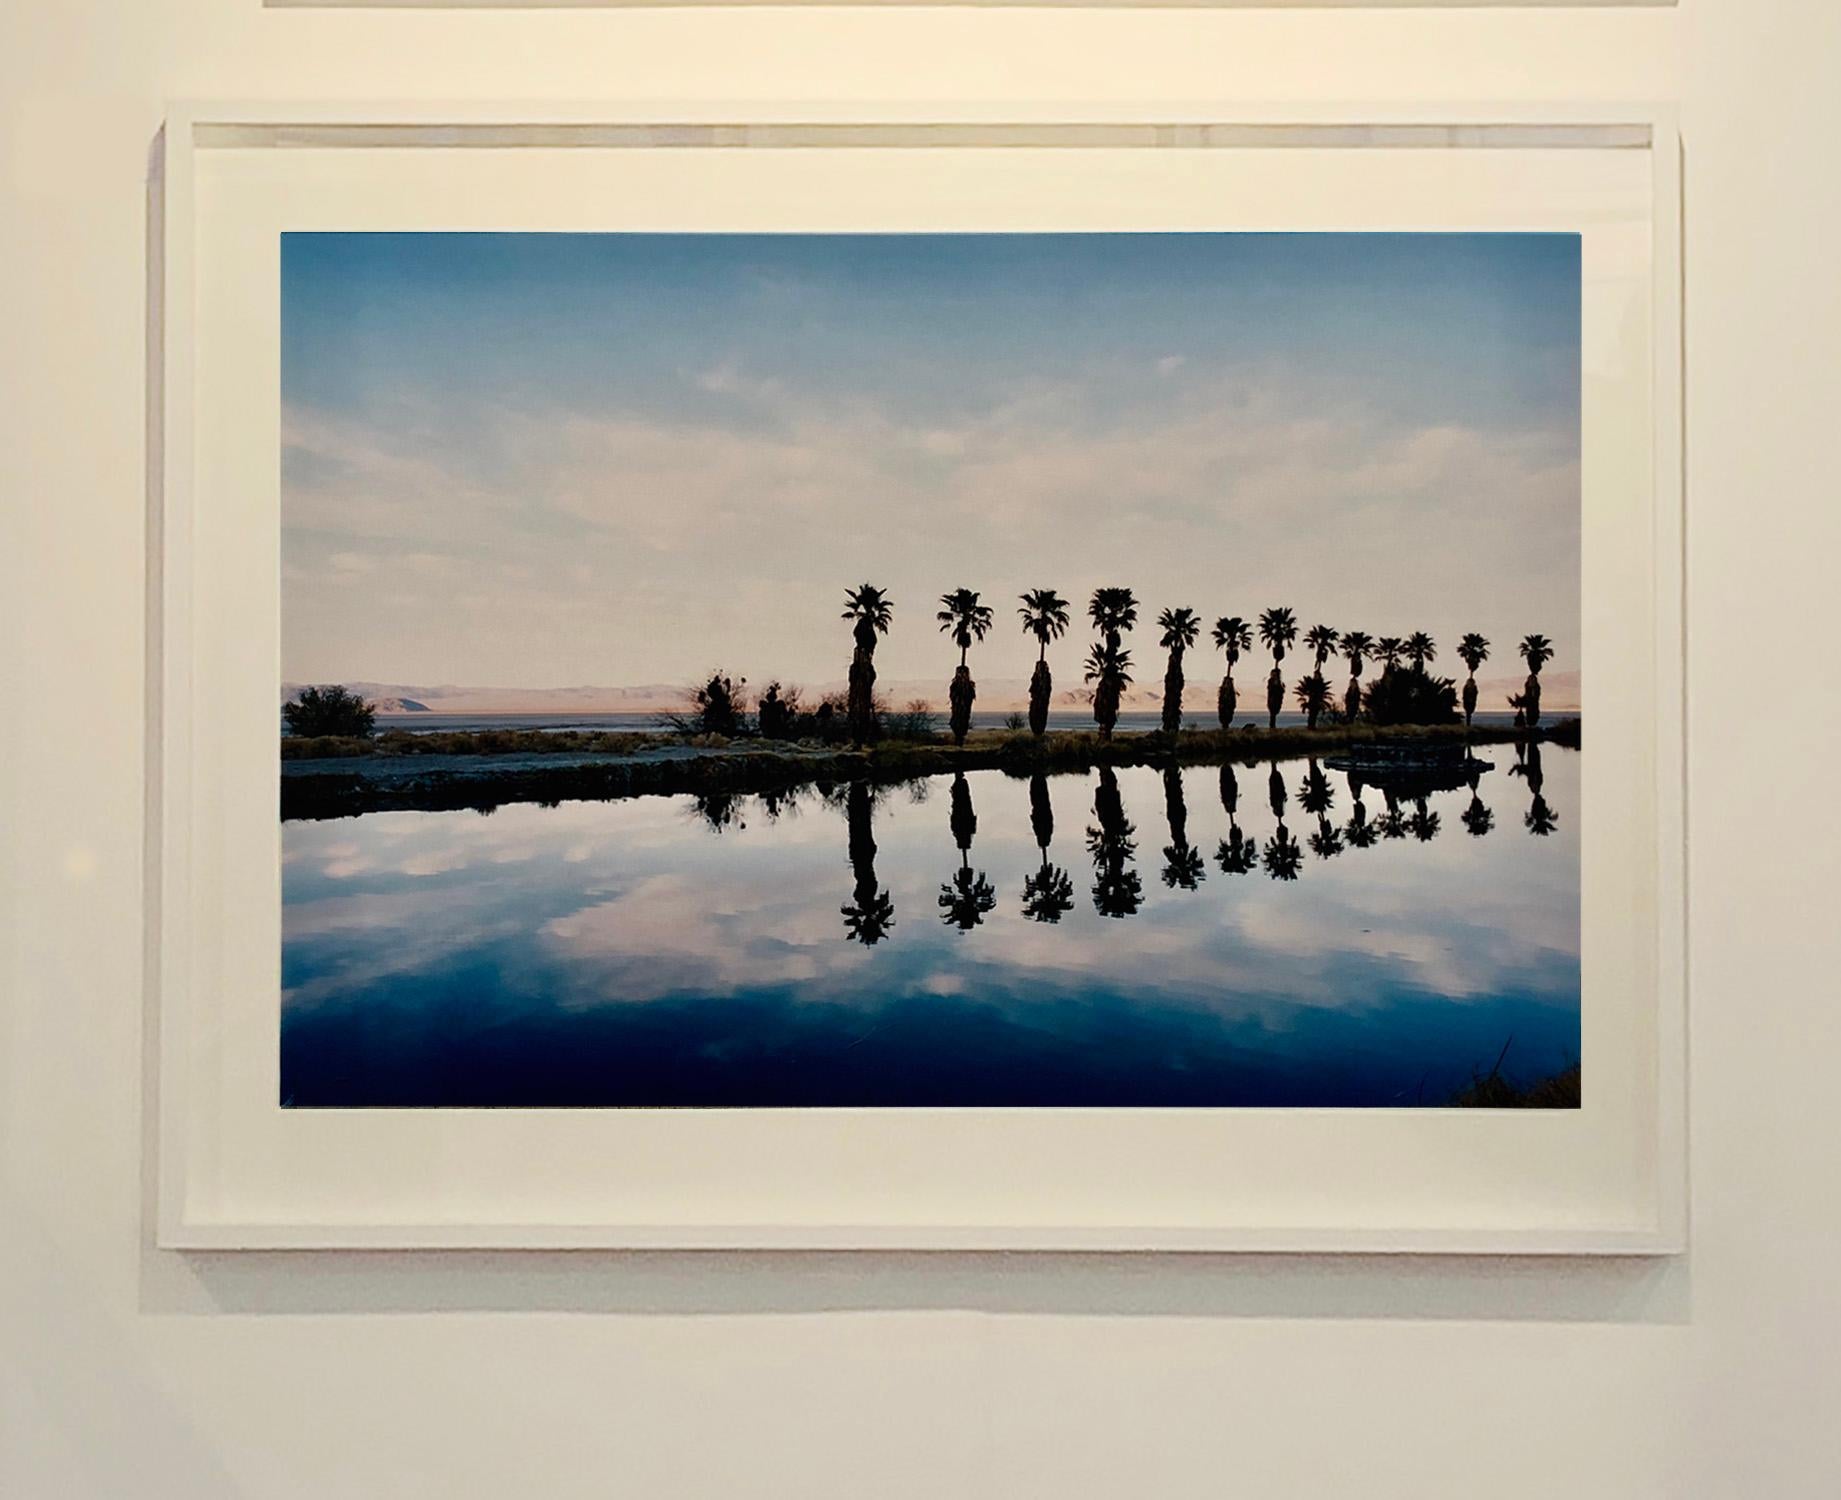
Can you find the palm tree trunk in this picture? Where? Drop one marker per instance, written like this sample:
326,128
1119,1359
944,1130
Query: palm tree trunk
1106,705
1531,695
1173,695
862,701
1275,698
1470,699
1352,701
1225,701
1041,690
960,695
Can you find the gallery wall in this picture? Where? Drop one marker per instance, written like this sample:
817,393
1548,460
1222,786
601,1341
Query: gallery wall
128,1372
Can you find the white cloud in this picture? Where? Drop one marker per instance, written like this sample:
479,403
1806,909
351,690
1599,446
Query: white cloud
713,541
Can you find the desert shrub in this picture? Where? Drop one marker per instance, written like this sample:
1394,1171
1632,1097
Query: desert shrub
917,721
777,714
717,706
1410,695
333,709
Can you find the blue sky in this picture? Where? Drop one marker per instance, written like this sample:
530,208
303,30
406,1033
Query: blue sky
546,460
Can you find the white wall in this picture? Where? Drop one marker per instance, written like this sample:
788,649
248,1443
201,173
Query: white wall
131,1373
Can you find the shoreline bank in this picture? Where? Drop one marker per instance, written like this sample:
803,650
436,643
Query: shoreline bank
480,771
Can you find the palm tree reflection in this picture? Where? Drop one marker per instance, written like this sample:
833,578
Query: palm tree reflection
1478,819
1541,820
1236,854
871,912
1117,890
1182,862
967,897
1283,857
1424,823
1316,796
1049,893
1358,832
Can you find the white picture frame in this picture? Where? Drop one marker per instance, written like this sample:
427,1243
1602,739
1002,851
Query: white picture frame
229,1177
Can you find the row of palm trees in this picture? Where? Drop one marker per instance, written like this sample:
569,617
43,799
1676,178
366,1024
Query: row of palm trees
1046,616
968,896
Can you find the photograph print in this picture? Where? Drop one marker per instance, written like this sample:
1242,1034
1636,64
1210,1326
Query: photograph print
926,670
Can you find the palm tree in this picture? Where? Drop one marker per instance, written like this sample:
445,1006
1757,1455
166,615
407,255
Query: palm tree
870,607
1387,651
1232,635
966,620
1182,863
1419,649
1113,611
1045,616
1278,628
1472,651
1048,894
1117,890
1236,854
871,913
1536,651
1313,698
1180,628
1356,645
968,896
1322,640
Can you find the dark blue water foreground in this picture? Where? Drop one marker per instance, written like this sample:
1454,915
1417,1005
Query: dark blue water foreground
1144,938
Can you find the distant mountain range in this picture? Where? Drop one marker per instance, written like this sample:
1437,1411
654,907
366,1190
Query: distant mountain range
1560,694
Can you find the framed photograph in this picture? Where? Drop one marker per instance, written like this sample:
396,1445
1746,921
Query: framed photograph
1100,680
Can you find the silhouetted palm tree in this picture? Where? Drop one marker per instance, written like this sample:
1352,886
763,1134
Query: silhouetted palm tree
1420,649
1049,893
1180,628
1536,651
870,607
1473,651
1113,611
1045,616
1387,651
1356,645
1313,698
1117,890
1236,854
871,913
966,620
1182,864
967,897
1278,628
1232,635
1321,641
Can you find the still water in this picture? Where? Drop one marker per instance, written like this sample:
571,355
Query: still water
1249,936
